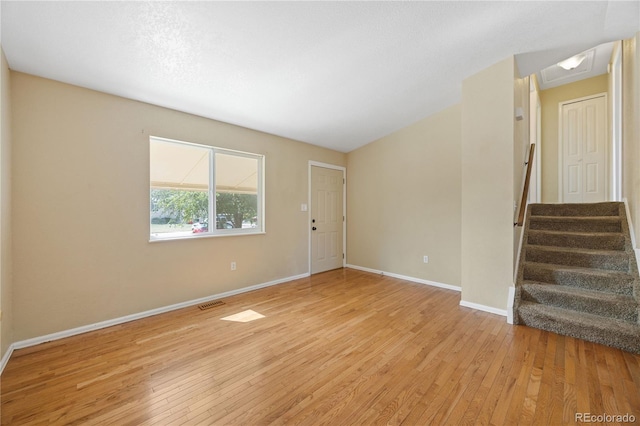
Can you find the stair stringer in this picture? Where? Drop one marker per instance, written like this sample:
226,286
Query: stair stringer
630,251
521,263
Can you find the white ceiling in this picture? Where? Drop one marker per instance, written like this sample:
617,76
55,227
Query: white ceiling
334,74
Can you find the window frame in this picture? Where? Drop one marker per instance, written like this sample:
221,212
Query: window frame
212,209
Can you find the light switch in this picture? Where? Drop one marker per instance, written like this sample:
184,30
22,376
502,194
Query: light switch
303,207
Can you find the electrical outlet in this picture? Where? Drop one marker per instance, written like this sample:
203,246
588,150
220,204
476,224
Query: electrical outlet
233,266
425,259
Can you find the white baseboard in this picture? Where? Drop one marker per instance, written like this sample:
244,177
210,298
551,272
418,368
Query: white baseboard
510,302
108,323
406,278
484,308
5,358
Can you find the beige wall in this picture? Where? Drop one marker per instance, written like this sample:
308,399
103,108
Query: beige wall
6,327
550,100
631,129
404,201
81,210
488,185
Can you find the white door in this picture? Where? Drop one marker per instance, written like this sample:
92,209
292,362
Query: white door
584,151
327,186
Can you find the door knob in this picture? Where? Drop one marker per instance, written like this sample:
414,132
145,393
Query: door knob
314,228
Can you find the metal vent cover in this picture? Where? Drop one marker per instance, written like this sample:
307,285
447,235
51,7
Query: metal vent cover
210,305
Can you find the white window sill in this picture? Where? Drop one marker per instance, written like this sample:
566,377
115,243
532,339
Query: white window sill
204,235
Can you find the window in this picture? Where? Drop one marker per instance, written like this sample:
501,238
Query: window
198,190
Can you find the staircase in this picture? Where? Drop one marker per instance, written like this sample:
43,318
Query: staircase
578,274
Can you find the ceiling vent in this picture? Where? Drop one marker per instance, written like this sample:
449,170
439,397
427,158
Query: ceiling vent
556,73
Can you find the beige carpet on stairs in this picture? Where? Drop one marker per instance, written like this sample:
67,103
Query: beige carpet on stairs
578,274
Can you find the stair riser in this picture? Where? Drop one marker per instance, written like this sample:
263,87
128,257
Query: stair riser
618,262
601,242
542,224
598,209
577,279
622,311
623,340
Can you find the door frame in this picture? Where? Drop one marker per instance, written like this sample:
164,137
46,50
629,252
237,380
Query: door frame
344,208
535,136
616,125
561,145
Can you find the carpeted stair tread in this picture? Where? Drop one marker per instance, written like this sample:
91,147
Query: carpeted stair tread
591,258
576,223
591,240
581,325
576,209
619,306
577,276
566,219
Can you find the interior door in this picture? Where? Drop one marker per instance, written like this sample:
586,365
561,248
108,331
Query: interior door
327,189
584,151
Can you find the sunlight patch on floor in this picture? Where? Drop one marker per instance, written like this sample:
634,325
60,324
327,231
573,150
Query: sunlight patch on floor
244,316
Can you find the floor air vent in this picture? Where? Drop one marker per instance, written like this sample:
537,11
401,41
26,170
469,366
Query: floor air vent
210,305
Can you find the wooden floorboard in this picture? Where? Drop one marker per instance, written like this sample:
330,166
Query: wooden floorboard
340,348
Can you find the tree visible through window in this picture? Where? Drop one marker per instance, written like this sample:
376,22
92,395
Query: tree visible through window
191,184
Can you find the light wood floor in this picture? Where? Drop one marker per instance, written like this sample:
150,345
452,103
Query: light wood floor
340,348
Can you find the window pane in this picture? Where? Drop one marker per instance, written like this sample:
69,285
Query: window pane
236,180
178,213
179,175
199,189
